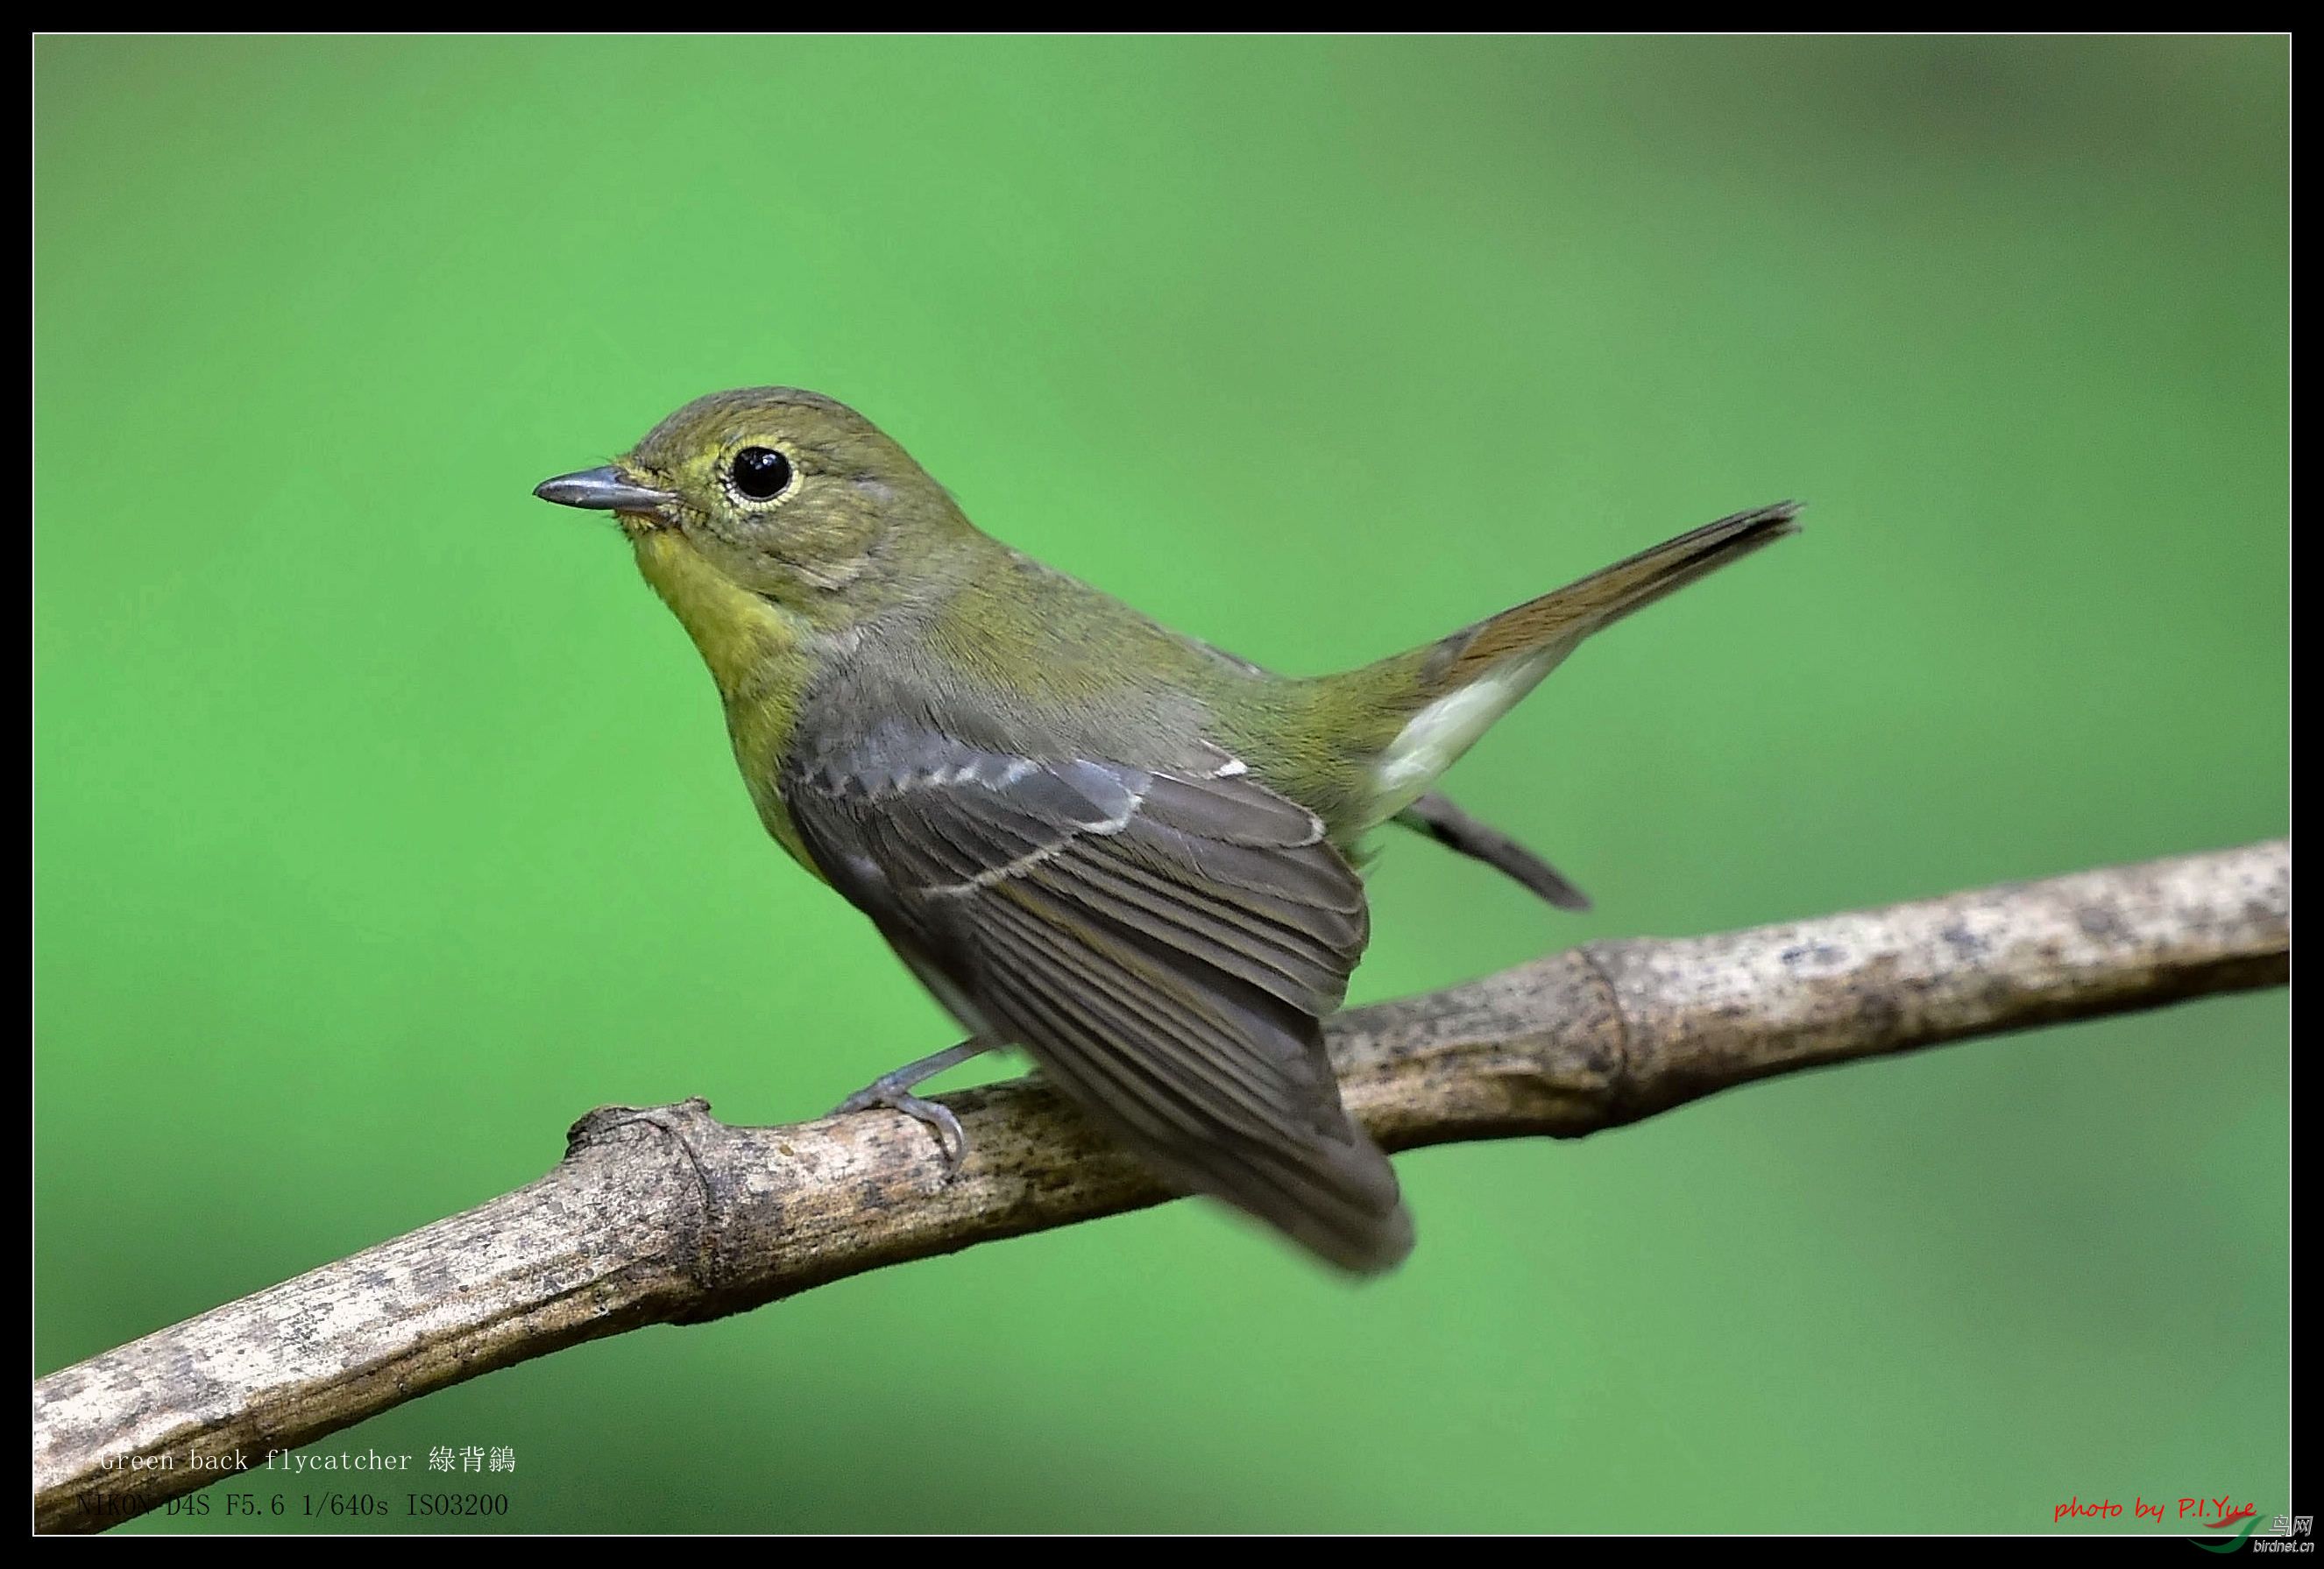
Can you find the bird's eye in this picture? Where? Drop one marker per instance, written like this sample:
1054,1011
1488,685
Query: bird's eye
761,472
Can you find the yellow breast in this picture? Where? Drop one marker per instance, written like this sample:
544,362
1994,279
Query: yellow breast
758,655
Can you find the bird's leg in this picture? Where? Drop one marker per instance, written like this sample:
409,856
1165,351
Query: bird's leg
894,1091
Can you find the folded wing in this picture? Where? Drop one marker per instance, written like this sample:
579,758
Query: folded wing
1165,945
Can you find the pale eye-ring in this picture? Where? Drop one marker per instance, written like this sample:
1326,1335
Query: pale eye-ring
761,472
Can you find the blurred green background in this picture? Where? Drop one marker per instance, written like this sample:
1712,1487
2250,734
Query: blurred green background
384,821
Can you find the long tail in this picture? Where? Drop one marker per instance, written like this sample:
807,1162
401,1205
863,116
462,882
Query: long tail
1561,618
1447,694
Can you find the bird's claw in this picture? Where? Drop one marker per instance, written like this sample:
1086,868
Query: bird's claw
885,1094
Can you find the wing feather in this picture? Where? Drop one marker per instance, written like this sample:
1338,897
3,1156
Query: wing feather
1164,944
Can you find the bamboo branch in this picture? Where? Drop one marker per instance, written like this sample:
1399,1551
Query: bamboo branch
664,1214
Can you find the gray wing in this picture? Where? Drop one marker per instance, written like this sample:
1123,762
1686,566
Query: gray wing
1165,945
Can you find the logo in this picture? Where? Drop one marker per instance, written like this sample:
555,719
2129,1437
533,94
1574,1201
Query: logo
2249,1517
2284,1533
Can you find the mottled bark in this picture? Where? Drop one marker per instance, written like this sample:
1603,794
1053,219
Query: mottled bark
663,1214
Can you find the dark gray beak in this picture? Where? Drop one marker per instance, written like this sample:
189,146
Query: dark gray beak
605,489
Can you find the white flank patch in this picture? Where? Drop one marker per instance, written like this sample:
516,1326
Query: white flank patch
1433,739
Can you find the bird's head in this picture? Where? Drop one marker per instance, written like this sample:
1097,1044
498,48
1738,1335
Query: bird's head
785,494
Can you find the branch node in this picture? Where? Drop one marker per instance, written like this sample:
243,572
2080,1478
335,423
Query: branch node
700,1230
1623,1098
607,1123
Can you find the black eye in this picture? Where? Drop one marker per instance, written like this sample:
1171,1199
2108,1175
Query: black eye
761,472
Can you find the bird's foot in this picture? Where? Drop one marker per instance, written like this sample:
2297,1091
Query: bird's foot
893,1092
939,1119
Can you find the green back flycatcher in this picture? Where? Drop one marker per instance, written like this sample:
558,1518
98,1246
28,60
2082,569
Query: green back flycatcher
1127,852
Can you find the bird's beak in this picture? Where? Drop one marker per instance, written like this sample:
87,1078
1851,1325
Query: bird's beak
605,489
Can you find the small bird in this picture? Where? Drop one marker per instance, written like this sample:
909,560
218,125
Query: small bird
1130,853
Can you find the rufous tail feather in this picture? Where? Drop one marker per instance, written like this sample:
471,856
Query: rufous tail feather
1450,691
